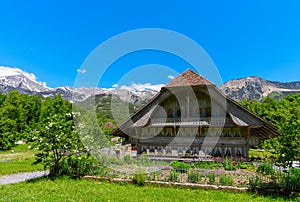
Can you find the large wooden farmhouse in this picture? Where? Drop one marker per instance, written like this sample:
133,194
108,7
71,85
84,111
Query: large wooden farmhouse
190,116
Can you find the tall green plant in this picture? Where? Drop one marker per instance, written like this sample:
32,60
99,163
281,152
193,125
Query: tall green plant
285,114
56,138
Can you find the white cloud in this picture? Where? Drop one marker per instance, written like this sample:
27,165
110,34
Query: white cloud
12,71
142,87
171,77
115,85
82,71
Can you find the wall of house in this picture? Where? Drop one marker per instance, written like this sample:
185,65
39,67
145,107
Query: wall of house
179,141
181,125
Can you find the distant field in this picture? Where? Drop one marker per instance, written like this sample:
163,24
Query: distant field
84,190
20,160
20,152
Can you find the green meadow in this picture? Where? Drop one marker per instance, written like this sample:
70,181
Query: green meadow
65,189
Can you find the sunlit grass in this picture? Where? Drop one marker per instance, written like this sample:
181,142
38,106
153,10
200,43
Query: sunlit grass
20,152
20,160
84,190
17,166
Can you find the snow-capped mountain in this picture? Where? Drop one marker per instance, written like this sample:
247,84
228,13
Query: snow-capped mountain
257,88
24,82
249,87
15,78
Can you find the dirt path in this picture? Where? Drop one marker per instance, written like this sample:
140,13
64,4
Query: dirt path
21,177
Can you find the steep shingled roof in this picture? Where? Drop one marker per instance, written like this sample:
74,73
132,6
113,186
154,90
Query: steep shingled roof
188,78
239,114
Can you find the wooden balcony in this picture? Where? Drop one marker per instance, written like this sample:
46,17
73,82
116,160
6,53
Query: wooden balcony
202,121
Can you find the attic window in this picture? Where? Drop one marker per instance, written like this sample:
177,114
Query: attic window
169,113
178,113
208,112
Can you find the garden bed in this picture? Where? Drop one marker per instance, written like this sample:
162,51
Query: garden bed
186,184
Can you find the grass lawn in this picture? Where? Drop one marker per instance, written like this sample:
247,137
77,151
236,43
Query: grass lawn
17,166
84,190
20,152
18,161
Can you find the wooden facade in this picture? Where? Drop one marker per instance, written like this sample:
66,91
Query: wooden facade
191,116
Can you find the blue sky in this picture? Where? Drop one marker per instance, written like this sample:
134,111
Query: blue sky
53,38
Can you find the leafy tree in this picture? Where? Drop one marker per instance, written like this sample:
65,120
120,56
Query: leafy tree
7,133
289,149
91,134
19,114
2,98
56,139
52,106
32,107
12,119
285,114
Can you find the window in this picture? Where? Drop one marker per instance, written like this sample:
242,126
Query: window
169,113
181,132
204,132
168,131
143,149
238,151
218,152
178,113
226,132
195,150
168,149
208,150
151,149
227,151
237,133
208,112
194,132
144,133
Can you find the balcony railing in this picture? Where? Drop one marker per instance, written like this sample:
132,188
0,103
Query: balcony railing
192,121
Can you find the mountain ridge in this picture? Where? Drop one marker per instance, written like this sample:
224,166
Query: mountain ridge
25,83
257,88
252,87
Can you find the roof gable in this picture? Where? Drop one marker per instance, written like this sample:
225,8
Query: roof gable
188,78
239,114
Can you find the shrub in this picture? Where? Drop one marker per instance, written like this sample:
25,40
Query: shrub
200,164
180,166
144,160
225,180
207,165
173,176
266,169
212,177
127,159
242,165
139,178
194,177
292,179
114,161
255,181
76,166
102,171
228,165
